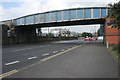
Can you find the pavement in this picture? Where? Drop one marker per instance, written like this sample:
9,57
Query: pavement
89,60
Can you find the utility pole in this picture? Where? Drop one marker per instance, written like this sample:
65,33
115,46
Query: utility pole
48,32
95,31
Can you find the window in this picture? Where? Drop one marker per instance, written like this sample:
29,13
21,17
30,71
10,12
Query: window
96,13
17,22
29,20
73,14
111,22
103,12
66,15
37,19
80,14
42,18
47,17
59,16
53,16
87,13
20,21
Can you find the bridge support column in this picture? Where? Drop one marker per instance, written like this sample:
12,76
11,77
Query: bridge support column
39,32
4,36
102,32
25,34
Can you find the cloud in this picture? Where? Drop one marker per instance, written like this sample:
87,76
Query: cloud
37,6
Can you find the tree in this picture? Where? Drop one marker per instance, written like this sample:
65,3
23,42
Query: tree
114,12
84,34
51,35
98,32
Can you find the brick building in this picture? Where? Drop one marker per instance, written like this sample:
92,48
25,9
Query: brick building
112,34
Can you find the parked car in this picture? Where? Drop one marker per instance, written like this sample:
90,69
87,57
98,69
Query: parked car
100,37
90,39
95,38
86,39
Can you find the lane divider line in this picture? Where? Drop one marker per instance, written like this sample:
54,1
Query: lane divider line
26,48
19,50
12,63
75,45
32,57
63,50
47,45
29,48
46,54
8,73
55,51
50,57
45,59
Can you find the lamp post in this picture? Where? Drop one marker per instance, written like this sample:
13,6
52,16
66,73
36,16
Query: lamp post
95,31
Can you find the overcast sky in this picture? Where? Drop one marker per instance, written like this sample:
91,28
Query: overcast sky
10,9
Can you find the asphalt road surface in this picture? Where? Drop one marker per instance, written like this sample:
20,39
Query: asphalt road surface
15,57
73,59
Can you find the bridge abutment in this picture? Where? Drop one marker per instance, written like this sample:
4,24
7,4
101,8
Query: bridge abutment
4,35
25,34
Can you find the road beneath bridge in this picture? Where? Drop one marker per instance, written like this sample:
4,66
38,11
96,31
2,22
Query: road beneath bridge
60,59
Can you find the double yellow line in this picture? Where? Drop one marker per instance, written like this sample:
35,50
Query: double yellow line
8,73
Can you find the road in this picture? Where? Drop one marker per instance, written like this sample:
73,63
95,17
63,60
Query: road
18,56
73,59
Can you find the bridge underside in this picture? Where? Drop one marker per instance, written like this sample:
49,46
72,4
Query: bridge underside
67,23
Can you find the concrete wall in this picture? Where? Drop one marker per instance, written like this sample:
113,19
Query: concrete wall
0,49
22,35
4,35
46,39
25,34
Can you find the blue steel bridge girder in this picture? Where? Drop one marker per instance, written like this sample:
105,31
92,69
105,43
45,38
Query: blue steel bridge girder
62,16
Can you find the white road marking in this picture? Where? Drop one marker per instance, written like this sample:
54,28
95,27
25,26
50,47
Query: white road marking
75,45
62,49
50,57
47,45
29,48
33,57
24,49
55,51
46,54
12,63
45,59
19,50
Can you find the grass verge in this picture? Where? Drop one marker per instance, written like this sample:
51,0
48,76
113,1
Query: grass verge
114,52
